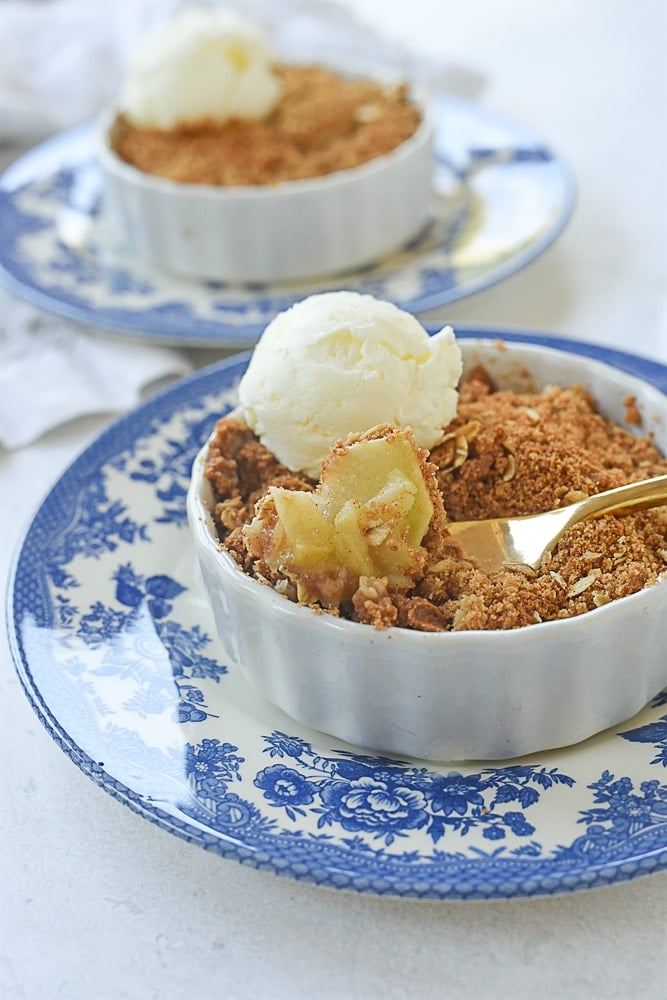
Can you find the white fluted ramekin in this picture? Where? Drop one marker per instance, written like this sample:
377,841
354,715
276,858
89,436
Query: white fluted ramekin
454,695
288,232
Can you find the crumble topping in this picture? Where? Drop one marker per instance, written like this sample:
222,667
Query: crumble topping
322,123
505,454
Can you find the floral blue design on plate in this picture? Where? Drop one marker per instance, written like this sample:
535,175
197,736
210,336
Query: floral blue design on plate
501,197
117,653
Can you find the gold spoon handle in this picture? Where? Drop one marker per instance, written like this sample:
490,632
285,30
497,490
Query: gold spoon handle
524,540
622,499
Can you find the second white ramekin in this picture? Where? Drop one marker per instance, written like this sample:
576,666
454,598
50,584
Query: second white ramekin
288,232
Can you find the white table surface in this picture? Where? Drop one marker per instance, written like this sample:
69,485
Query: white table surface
96,902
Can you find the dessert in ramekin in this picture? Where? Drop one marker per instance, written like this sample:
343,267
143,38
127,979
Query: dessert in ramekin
478,688
223,163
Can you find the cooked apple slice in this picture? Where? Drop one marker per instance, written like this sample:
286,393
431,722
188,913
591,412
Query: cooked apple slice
367,517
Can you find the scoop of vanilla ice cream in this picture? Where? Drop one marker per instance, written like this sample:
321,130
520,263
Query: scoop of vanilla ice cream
342,362
201,64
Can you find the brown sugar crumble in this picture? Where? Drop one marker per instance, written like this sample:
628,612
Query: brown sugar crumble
322,123
504,454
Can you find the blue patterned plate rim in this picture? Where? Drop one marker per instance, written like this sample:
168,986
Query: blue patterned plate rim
112,650
508,197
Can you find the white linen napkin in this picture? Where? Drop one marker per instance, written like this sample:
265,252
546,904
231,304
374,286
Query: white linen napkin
52,372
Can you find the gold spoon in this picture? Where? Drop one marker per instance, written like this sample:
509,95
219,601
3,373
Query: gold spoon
523,541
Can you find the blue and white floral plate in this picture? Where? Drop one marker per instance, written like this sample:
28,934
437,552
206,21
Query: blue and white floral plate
116,651
501,198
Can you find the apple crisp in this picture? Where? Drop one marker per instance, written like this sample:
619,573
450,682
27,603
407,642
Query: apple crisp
504,454
323,123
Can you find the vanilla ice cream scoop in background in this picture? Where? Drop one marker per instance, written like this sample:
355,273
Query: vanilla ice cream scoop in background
342,362
201,64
